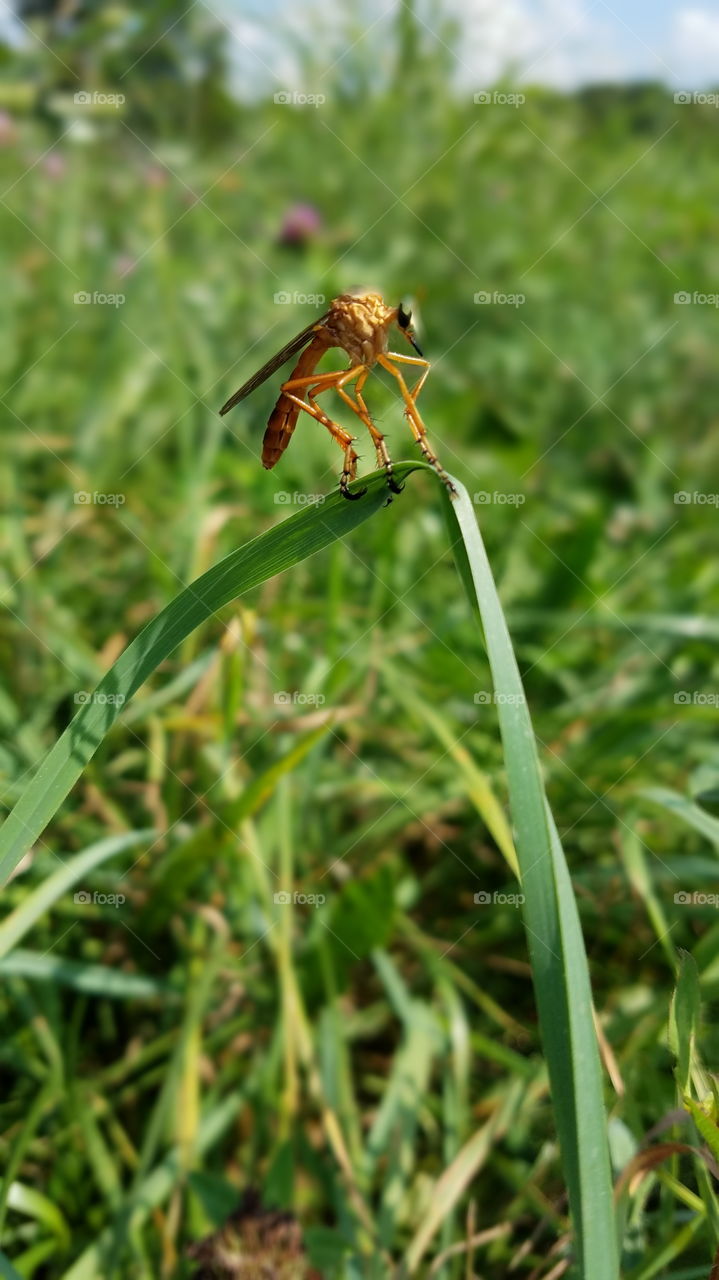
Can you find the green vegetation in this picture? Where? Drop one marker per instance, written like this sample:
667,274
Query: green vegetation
333,733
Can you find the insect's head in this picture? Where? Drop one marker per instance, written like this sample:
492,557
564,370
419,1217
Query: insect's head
404,321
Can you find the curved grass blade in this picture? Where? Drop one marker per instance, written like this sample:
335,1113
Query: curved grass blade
559,962
279,548
555,942
41,899
681,807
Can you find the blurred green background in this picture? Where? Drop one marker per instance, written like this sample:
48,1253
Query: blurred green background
167,1055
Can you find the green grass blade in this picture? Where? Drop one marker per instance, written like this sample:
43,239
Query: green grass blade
478,785
559,963
90,979
41,899
279,548
555,942
684,809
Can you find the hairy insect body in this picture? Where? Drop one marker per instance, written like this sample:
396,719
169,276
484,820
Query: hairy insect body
359,324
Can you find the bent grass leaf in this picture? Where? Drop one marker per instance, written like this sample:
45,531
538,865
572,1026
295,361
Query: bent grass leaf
554,936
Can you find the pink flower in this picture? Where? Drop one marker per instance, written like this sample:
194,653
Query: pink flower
300,224
54,164
8,132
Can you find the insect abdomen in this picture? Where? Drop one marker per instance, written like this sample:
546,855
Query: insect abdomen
283,419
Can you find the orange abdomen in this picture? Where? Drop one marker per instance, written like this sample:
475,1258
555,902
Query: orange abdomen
283,419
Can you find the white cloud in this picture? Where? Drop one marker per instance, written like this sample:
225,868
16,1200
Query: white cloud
563,43
555,42
695,46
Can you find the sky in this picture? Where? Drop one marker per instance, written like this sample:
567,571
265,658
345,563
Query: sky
557,42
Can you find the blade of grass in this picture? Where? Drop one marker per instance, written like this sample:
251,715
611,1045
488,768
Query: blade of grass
559,963
680,807
554,936
277,549
41,899
455,1179
479,787
91,979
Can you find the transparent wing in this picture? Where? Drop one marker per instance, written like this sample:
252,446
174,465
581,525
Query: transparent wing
277,360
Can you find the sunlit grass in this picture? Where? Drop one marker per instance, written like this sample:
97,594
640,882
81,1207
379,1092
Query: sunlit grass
353,1059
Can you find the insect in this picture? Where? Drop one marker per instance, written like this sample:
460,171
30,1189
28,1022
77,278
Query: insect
359,323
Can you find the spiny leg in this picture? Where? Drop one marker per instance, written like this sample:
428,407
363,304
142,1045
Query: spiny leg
360,408
338,381
414,392
343,438
419,430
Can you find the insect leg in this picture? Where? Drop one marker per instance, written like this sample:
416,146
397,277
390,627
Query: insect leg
419,430
394,355
343,438
360,408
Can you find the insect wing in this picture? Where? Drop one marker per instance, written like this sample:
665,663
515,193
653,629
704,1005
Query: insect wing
276,362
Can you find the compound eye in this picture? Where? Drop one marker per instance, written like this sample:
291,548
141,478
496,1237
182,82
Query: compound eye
403,317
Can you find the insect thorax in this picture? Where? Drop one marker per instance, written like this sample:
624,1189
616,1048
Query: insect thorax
359,323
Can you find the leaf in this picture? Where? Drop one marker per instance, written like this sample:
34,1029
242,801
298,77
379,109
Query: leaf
73,871
684,1018
279,548
559,962
690,813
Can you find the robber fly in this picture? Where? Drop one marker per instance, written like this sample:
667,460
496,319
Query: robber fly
359,323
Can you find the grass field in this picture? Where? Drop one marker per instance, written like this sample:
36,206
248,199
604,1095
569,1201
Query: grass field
334,731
